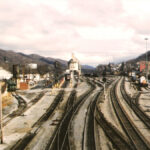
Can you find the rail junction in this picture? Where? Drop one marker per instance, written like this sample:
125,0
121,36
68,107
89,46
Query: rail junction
90,114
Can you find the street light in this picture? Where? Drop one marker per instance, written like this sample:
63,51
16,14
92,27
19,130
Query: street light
146,62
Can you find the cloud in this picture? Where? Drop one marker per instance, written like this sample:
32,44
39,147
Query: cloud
97,31
97,12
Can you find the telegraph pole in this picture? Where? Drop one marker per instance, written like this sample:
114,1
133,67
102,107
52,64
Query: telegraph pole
1,126
146,62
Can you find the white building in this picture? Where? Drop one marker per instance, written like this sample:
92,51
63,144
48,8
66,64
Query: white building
34,77
74,65
4,74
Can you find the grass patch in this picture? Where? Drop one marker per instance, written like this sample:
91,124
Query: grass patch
7,100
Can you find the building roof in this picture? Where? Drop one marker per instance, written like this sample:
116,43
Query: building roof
73,60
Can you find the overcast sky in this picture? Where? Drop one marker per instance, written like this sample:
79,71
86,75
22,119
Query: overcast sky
96,31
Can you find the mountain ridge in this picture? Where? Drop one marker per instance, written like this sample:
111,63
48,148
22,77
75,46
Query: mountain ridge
10,57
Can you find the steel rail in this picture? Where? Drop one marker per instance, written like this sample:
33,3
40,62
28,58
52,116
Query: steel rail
22,143
132,103
137,139
88,141
60,140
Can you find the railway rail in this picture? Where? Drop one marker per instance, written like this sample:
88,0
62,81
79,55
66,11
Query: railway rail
89,141
89,135
60,140
113,134
132,102
22,143
116,137
137,139
22,107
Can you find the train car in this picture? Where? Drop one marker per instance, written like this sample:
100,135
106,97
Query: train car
67,77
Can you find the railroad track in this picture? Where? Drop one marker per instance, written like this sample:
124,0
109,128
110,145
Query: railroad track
136,138
61,139
132,102
22,107
60,130
114,135
71,100
88,141
53,106
22,143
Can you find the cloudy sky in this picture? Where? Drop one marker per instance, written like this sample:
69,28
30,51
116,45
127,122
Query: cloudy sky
96,31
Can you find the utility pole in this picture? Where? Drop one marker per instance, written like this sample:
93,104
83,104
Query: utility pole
1,126
146,62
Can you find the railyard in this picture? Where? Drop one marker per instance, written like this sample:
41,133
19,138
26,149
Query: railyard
74,75
84,115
